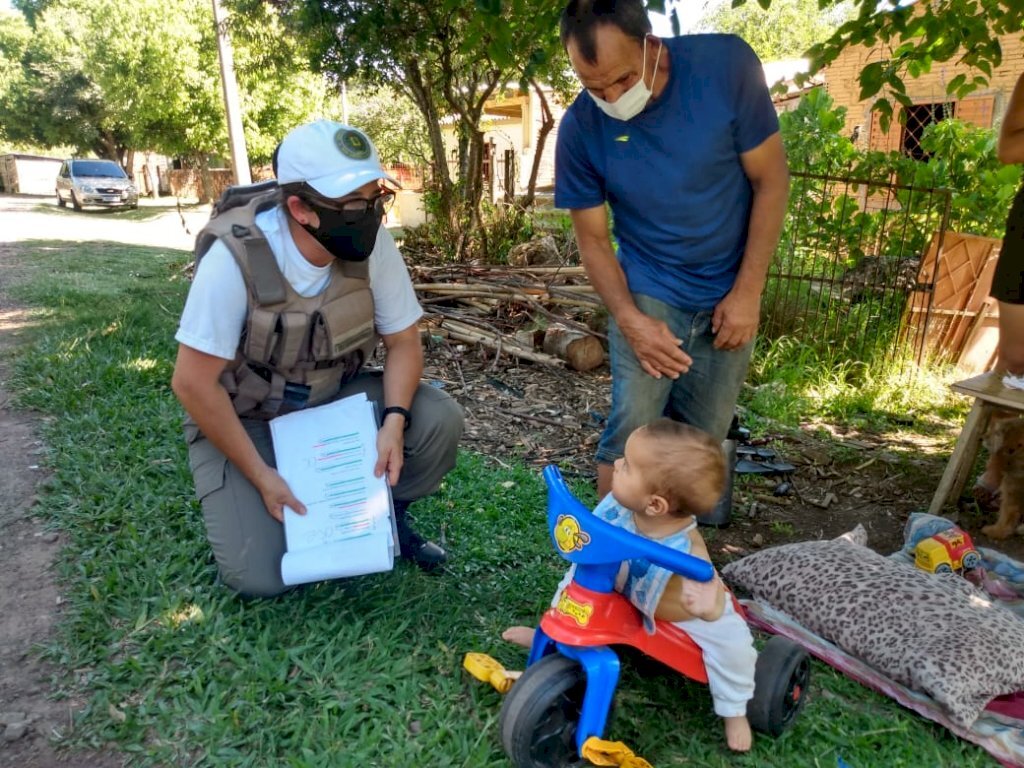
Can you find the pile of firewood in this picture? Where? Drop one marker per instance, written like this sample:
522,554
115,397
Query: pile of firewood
545,314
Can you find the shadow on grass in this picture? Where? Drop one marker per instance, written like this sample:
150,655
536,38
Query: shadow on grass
147,212
91,280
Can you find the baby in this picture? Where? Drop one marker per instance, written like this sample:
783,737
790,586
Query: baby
670,473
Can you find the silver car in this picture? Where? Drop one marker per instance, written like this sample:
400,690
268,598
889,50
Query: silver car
95,182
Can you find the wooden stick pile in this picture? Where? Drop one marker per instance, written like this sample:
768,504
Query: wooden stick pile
500,308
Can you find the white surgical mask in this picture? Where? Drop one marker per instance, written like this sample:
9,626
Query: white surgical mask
632,102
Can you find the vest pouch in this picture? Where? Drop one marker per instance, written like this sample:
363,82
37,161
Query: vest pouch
208,464
343,325
261,335
292,329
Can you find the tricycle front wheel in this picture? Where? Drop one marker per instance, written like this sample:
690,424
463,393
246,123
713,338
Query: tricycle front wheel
781,679
540,714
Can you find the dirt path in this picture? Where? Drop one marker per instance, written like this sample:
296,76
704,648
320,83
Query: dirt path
30,595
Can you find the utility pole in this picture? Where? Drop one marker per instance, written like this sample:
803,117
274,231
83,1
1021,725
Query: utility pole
232,107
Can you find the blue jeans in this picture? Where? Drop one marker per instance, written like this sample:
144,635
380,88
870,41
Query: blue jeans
704,397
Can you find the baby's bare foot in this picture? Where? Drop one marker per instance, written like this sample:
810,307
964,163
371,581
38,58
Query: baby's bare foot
519,635
738,735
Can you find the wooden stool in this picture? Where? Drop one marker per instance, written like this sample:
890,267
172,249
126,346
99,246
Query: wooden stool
989,394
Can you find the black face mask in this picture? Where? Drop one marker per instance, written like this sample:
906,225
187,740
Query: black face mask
345,237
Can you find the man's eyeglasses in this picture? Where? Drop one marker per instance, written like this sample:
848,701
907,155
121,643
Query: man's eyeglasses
356,207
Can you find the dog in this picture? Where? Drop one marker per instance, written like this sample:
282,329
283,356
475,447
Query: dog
1005,441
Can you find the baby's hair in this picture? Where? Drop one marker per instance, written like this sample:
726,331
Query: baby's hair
687,467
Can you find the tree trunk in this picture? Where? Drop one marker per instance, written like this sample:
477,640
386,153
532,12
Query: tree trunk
129,164
547,123
423,97
106,147
580,350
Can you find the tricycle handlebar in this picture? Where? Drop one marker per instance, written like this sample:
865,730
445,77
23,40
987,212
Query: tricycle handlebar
584,539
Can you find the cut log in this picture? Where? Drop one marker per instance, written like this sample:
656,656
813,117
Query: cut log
543,250
580,350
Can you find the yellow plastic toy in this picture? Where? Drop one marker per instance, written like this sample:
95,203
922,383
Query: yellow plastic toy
598,751
946,552
488,670
601,752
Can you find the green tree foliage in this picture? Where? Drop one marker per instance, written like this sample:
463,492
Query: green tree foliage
813,135
911,38
914,37
962,157
958,157
393,121
112,76
449,57
785,30
15,36
48,98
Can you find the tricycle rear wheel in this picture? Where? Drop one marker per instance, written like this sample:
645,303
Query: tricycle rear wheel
540,714
781,679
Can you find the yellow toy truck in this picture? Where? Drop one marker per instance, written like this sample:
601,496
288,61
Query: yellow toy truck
946,552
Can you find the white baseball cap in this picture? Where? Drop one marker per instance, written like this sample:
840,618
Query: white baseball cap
333,158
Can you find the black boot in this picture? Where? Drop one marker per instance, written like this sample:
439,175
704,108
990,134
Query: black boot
426,554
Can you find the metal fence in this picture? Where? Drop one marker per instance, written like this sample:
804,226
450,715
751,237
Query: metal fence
499,171
848,262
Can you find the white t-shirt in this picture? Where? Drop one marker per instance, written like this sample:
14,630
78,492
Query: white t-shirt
215,310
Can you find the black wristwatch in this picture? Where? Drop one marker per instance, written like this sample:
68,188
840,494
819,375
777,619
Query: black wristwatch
397,409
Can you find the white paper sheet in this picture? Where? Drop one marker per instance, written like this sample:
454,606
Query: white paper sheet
326,455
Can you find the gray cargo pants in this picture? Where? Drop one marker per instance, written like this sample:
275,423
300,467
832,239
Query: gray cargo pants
248,543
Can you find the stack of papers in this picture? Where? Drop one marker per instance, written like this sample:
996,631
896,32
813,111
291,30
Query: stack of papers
326,455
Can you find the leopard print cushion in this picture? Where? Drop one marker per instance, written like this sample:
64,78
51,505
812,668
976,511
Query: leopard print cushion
933,633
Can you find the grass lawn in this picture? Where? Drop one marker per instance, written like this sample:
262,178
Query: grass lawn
362,672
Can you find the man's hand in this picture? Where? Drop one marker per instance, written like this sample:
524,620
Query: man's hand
656,348
390,442
277,495
735,319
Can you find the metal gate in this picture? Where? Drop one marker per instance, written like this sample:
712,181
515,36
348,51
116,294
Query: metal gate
849,257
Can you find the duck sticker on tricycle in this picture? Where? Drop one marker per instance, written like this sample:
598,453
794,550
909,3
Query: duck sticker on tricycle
556,713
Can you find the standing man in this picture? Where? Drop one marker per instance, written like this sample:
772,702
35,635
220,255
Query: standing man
680,138
291,293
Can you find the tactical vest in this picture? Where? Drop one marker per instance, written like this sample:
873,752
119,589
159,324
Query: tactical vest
294,350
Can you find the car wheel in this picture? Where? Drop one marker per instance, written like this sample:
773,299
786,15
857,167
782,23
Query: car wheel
540,714
781,679
74,201
60,200
972,560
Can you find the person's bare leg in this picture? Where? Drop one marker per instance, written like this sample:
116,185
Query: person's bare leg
1011,360
604,479
1011,338
519,635
738,735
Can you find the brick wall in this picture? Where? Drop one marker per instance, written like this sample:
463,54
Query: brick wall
982,107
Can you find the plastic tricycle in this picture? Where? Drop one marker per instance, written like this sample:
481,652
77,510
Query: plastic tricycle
564,697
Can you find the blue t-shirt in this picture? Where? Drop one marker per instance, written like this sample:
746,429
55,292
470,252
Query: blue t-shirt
680,199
